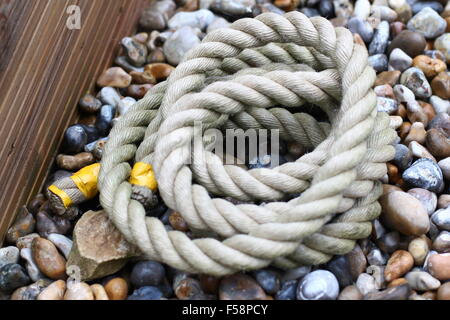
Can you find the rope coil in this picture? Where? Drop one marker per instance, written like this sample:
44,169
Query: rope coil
236,79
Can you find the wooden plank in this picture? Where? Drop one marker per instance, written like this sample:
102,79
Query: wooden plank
44,69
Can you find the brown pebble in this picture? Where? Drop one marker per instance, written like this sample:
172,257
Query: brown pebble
439,266
99,292
441,85
417,133
114,77
78,291
443,292
76,162
117,289
399,263
54,291
47,258
430,67
387,77
240,287
437,143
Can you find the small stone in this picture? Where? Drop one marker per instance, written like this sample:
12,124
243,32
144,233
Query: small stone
442,44
99,292
78,291
23,225
117,289
136,52
404,213
147,273
12,276
8,255
418,248
400,292
240,287
387,77
318,285
268,280
430,67
398,264
146,293
48,260
440,105
89,104
427,198
412,43
426,174
443,292
76,162
61,242
98,249
109,96
54,291
196,19
156,16
179,44
350,293
366,284
361,27
399,60
441,85
33,270
428,22
288,291
422,281
380,39
414,79
114,77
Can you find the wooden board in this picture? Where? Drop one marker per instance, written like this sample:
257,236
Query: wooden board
44,69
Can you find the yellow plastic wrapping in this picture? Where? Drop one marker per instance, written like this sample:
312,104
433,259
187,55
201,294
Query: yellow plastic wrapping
143,175
86,180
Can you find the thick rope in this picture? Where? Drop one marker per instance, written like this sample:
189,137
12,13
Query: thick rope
236,79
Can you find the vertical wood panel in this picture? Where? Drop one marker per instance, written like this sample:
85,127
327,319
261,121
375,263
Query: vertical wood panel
44,69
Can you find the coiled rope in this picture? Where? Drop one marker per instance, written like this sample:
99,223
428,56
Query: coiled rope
236,78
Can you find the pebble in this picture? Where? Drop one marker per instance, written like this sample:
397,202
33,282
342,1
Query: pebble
442,242
380,39
350,293
75,138
428,22
268,280
33,270
412,43
240,287
418,248
89,104
379,62
117,289
78,291
430,67
196,19
399,60
48,259
361,27
441,85
9,255
422,281
443,292
147,273
288,291
318,285
61,242
414,79
440,105
136,52
76,162
146,293
442,43
179,43
441,218
23,225
99,292
426,174
366,283
12,276
109,96
400,292
156,16
399,263
54,291
404,213
427,198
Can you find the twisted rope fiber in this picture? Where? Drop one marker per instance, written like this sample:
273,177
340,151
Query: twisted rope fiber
236,79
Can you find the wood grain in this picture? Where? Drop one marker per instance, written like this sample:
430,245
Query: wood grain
44,69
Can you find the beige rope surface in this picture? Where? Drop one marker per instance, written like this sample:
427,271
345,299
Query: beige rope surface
236,79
